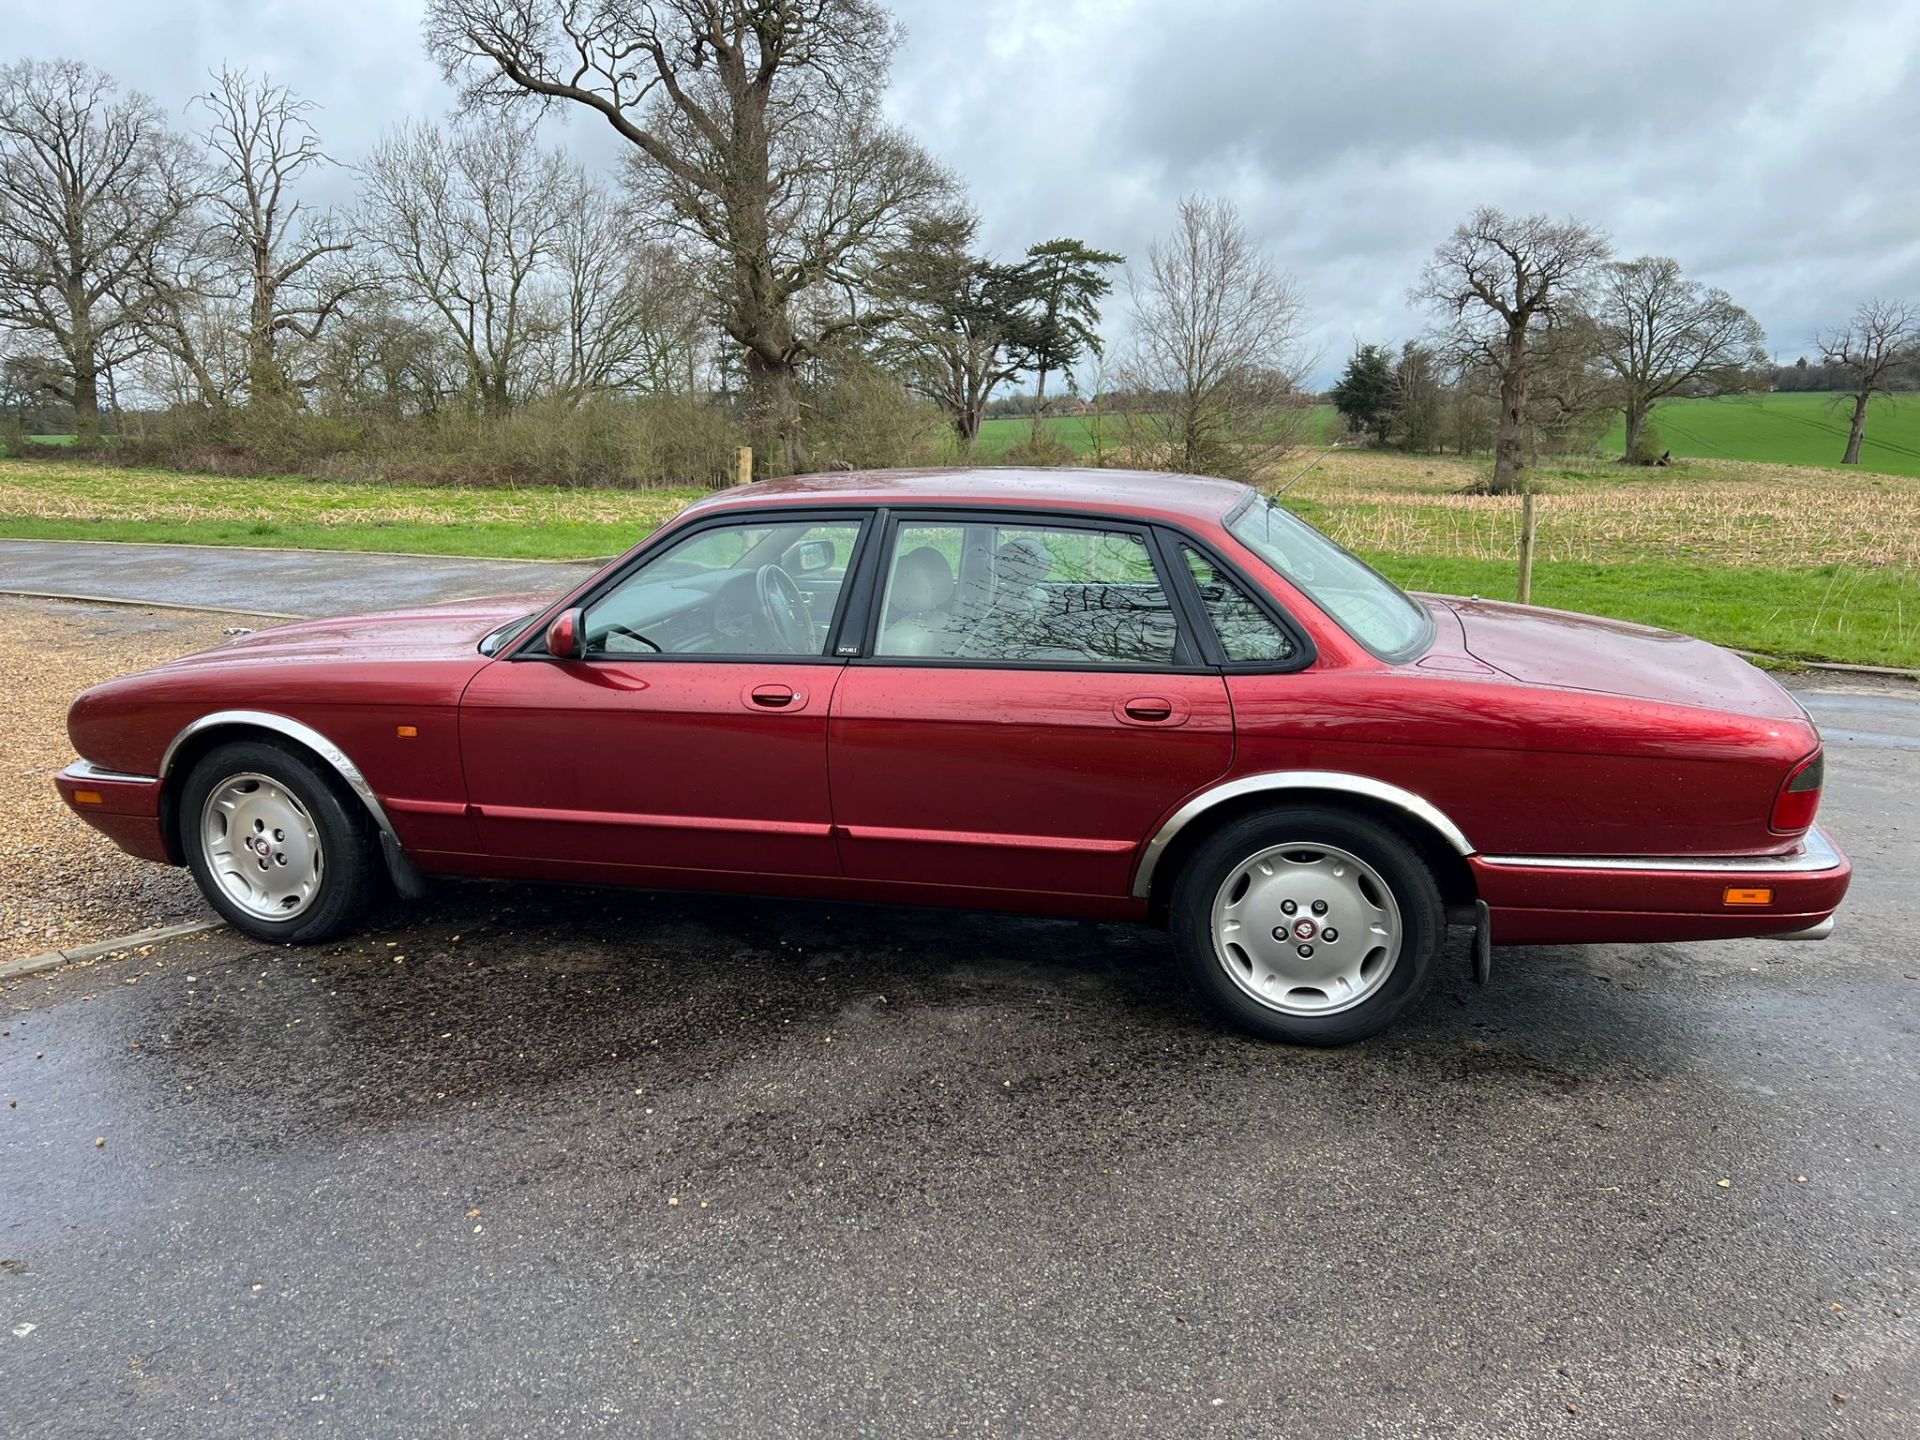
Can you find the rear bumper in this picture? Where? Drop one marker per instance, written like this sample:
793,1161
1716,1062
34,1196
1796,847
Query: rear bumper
125,808
1581,899
1821,931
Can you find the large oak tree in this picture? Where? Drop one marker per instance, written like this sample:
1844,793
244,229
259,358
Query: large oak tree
93,187
754,126
1659,333
1499,285
1877,348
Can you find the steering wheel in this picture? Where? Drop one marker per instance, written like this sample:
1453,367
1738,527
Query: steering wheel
786,610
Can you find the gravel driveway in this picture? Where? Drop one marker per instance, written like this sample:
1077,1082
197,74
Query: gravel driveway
61,882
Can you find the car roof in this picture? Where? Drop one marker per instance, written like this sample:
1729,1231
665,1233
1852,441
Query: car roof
1148,493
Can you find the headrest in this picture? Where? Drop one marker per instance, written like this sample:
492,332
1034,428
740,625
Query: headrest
923,580
1022,561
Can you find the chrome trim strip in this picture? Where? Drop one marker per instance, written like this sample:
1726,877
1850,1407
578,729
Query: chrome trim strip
293,730
1816,853
1283,780
1812,932
87,770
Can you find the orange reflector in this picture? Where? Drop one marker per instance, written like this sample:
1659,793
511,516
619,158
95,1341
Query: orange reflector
88,797
406,732
1748,897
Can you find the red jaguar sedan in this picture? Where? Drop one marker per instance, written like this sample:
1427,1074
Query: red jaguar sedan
1128,696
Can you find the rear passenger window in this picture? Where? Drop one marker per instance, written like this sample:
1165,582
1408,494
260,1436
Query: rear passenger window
1035,594
1246,634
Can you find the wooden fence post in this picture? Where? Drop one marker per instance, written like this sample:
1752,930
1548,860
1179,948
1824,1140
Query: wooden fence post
746,465
1526,547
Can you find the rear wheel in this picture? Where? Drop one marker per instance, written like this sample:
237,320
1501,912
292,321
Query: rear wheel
1309,925
274,846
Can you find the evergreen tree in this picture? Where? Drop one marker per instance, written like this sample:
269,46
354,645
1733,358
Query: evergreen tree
1065,282
1364,396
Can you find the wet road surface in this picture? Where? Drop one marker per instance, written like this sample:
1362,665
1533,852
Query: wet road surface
528,1162
268,582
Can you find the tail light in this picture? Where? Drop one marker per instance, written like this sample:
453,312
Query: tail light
1799,798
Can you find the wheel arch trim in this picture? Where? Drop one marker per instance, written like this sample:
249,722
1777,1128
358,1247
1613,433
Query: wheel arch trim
295,730
1281,782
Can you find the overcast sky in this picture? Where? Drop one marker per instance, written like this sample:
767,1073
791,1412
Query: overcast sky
1772,148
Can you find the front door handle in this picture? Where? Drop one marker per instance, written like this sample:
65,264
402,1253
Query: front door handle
775,697
1151,710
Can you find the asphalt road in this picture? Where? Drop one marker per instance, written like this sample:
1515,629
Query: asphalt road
540,1161
267,582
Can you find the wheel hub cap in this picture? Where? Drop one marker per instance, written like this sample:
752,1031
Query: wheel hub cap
1306,928
262,846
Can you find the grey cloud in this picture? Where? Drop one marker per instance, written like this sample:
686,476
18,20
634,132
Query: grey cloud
1767,145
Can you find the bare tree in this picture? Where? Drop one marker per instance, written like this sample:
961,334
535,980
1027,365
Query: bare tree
1497,285
1877,347
195,317
1214,361
383,360
92,186
631,309
467,224
755,128
1419,399
1659,333
261,144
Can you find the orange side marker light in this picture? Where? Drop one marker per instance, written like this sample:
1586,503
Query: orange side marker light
406,732
88,797
1737,896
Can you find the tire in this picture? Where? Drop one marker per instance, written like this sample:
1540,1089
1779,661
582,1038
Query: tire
1330,866
326,847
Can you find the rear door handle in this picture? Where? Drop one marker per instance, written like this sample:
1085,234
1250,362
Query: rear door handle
1151,710
774,697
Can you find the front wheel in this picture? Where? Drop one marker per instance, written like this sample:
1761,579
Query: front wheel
1308,925
274,846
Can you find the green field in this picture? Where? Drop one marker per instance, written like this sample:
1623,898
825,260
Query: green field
1786,430
1778,429
48,500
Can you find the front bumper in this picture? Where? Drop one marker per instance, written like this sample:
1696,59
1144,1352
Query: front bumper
125,808
1583,899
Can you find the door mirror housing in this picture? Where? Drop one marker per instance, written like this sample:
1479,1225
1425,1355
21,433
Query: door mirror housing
811,555
567,636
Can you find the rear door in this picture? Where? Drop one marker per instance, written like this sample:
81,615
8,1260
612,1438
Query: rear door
1026,708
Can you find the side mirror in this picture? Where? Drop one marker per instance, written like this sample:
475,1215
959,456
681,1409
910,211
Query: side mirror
567,636
811,555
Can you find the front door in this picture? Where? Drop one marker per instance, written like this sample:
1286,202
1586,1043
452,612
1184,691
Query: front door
691,737
1028,710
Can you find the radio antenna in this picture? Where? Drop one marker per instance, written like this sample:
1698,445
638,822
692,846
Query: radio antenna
1303,474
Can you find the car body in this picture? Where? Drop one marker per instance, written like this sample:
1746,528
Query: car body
1043,691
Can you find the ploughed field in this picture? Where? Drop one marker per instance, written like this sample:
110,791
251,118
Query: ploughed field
1800,562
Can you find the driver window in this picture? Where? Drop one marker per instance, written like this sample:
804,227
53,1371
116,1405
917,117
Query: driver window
733,590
